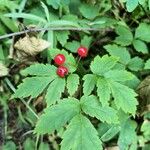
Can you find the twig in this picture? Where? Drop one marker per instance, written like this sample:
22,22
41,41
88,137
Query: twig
47,29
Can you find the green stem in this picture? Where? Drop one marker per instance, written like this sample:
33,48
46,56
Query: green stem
24,102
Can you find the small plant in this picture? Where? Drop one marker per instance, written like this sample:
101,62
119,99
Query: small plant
81,69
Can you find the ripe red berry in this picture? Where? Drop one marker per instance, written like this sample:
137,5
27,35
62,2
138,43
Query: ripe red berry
59,59
82,51
62,71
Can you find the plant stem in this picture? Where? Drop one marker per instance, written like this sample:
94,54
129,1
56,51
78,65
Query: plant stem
24,102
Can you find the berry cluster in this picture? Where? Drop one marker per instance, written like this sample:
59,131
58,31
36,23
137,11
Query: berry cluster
60,59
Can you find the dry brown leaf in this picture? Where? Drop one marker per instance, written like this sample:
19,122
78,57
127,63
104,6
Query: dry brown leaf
31,45
3,70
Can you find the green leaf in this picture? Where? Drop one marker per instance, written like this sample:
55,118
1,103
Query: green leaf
91,106
118,51
9,23
131,5
103,91
89,83
119,75
124,97
54,3
72,46
86,41
136,64
26,16
40,70
55,90
80,134
89,11
62,36
70,62
57,116
127,135
29,144
143,32
10,145
101,65
107,131
32,86
125,36
147,64
72,83
145,128
43,146
149,4
140,46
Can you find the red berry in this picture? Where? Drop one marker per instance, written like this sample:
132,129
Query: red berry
59,59
82,51
62,71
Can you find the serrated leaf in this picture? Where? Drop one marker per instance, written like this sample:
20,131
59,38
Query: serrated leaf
33,87
140,46
86,41
72,83
57,116
91,106
131,5
40,70
89,83
127,135
103,91
125,36
62,36
55,90
101,65
119,75
143,32
124,97
80,134
136,64
86,10
70,62
147,64
72,46
118,51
